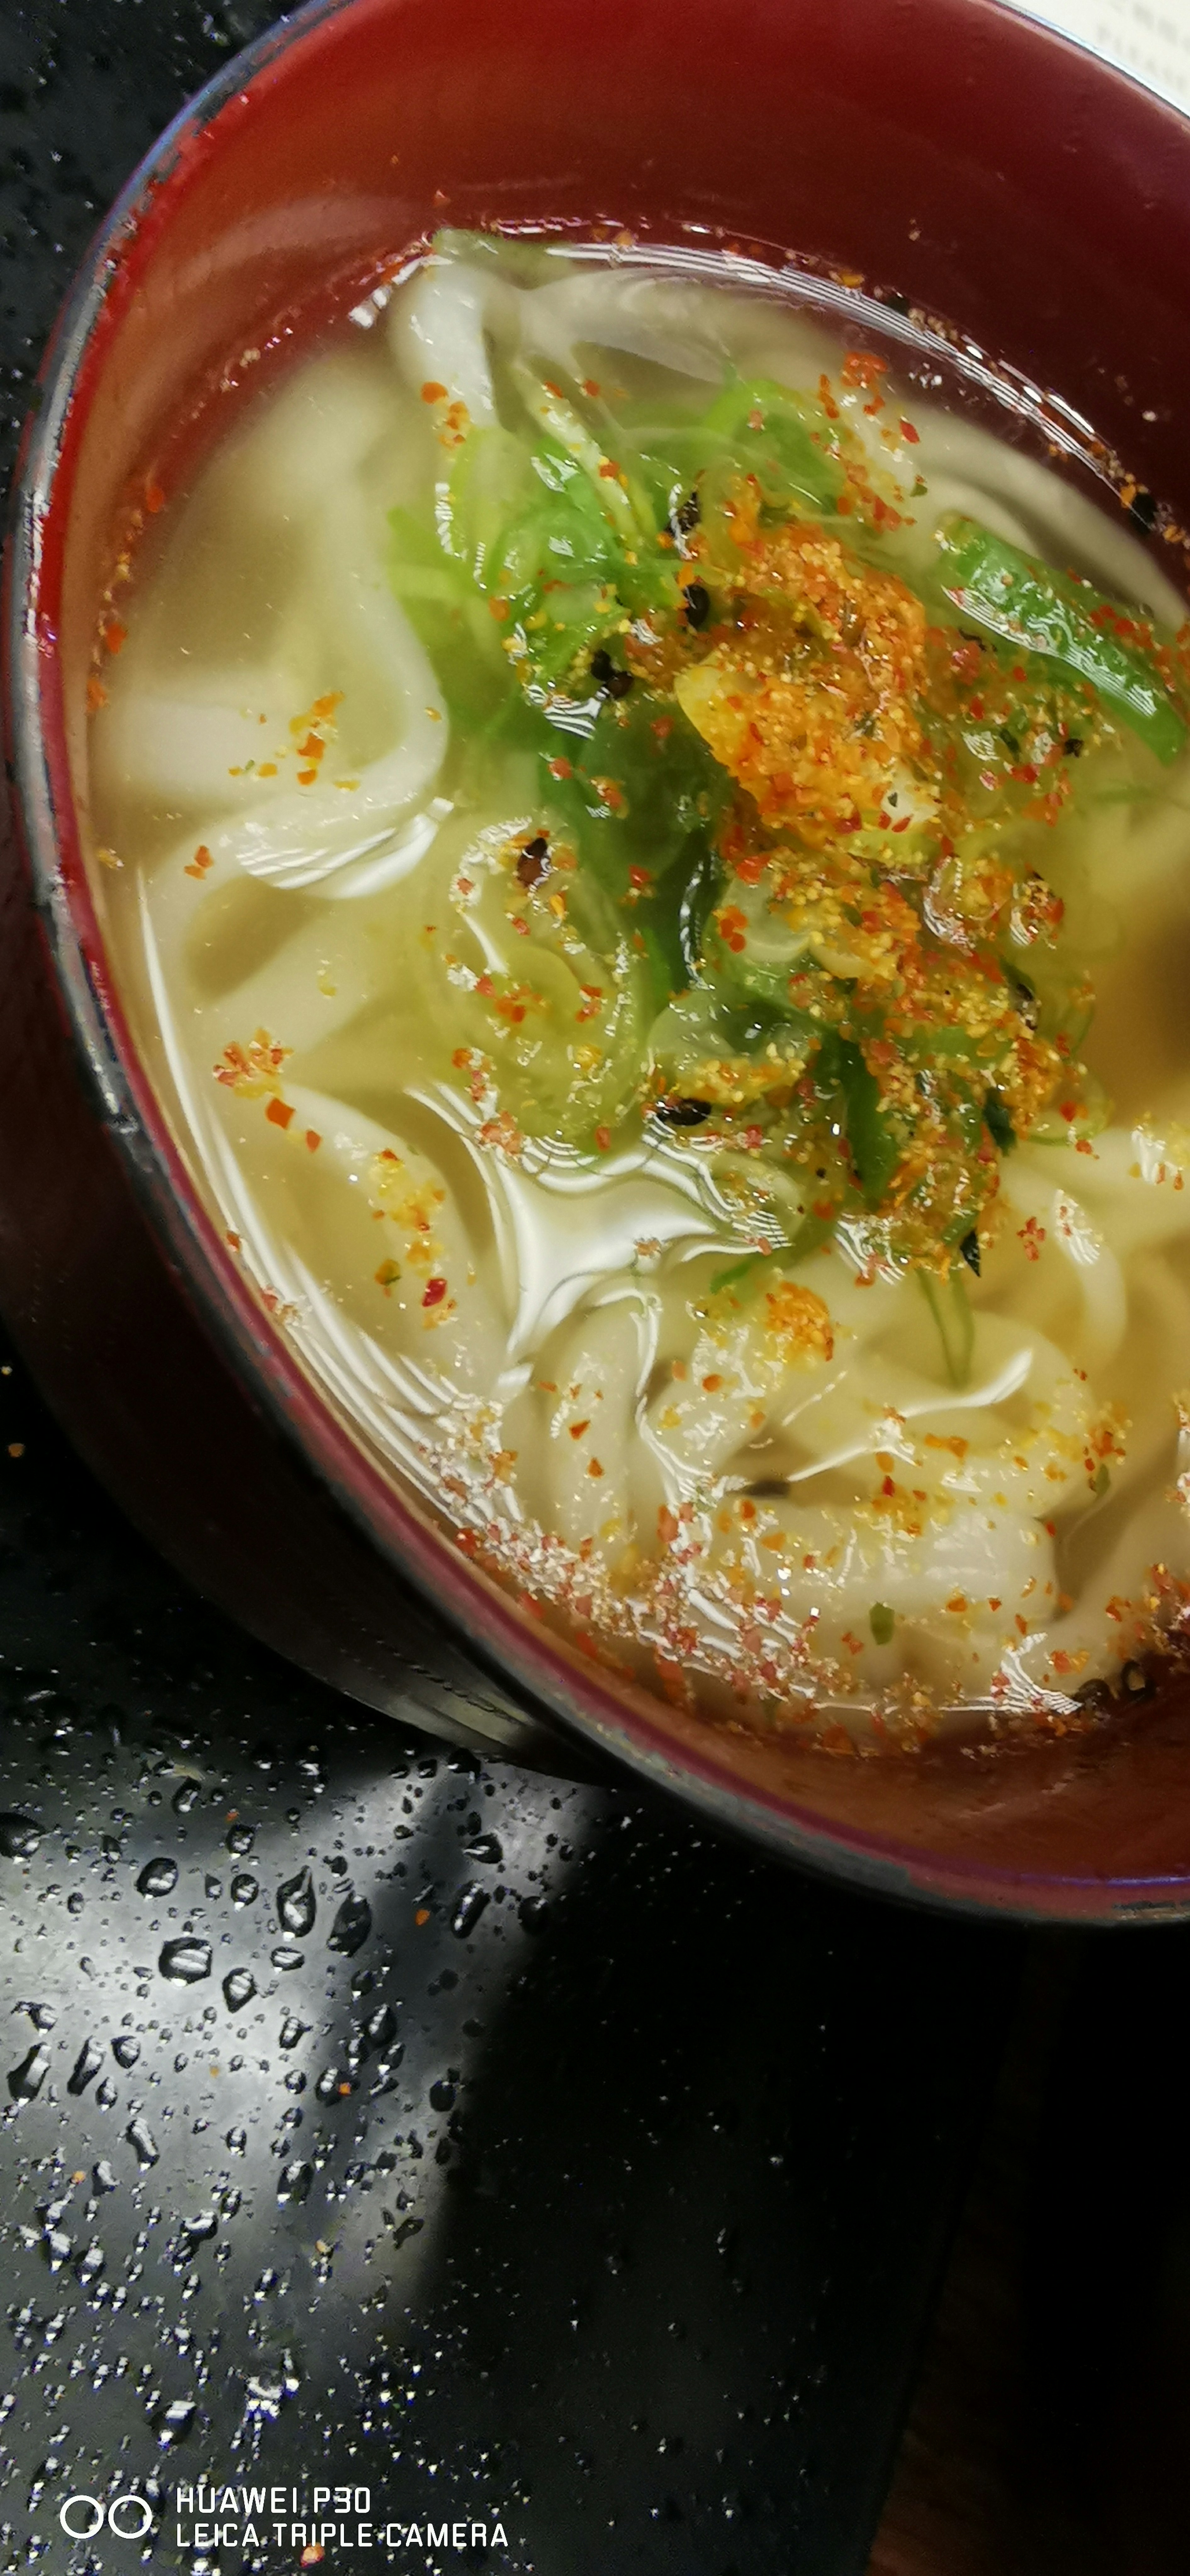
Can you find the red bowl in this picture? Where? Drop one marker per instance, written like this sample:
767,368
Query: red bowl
942,150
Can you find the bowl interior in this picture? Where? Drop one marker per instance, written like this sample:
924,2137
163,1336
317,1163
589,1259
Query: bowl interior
942,151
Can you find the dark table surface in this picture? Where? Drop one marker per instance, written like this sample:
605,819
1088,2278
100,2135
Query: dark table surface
371,2118
507,2148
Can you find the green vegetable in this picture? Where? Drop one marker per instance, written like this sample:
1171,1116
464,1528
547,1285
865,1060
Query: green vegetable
1042,611
802,1091
998,1123
698,896
553,546
947,1301
873,1146
451,620
759,969
489,482
882,1621
642,792
707,1047
753,427
763,1200
559,1010
627,512
737,1270
783,439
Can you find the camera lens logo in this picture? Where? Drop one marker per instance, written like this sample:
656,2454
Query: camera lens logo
128,2517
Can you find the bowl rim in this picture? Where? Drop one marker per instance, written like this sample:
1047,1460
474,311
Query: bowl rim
257,1352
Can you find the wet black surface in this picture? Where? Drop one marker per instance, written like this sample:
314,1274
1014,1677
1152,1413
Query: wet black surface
508,2149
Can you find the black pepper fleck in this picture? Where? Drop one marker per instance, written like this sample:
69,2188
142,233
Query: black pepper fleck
683,1113
534,861
605,674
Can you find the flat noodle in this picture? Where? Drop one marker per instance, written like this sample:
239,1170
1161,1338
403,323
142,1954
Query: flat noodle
771,1495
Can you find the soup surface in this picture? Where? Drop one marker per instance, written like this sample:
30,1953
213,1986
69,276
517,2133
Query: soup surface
649,862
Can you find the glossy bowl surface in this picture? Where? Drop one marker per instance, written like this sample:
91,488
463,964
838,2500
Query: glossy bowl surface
945,152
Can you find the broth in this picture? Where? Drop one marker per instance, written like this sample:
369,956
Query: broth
649,864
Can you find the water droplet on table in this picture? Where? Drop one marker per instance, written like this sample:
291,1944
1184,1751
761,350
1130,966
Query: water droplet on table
186,1961
239,1986
469,1905
172,2422
157,1878
25,2081
197,2231
484,1847
141,2139
297,1904
351,1926
267,2392
19,1836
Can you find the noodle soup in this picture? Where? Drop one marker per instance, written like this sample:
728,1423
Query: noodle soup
648,861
